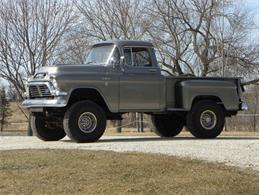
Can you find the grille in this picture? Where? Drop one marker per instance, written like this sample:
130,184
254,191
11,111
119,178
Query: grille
36,91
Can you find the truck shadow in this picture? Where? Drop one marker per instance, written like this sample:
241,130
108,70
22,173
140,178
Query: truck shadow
147,139
143,139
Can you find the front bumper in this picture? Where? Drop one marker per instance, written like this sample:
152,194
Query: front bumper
39,103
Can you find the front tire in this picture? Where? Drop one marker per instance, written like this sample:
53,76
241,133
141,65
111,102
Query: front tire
42,131
206,119
84,122
167,125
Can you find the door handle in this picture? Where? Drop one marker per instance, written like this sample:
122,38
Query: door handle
152,70
106,78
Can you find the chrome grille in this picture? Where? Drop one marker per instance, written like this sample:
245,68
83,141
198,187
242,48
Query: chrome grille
38,91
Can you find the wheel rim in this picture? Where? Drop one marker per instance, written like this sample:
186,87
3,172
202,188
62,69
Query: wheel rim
208,119
87,122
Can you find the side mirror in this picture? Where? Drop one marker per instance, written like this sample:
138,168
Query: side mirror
112,62
122,58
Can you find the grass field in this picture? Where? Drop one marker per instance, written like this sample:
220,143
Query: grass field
99,172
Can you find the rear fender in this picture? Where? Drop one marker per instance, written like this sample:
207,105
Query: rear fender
223,92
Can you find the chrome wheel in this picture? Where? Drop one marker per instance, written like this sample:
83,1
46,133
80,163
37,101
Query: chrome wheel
87,122
208,119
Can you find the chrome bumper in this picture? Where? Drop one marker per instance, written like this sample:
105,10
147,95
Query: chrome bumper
38,103
243,105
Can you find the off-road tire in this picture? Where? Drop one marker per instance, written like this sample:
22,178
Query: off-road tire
167,125
195,124
39,129
72,117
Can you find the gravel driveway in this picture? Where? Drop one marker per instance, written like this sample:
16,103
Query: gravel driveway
235,151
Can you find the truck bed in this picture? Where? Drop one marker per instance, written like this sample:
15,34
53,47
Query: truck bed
173,87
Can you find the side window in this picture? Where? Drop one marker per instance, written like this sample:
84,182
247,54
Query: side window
137,57
128,56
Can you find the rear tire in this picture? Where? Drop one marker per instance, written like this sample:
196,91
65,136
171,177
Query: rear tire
40,129
167,125
84,122
206,119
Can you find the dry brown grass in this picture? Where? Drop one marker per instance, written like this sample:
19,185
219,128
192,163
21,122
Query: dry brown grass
15,119
99,172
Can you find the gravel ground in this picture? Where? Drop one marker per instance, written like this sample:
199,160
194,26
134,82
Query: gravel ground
235,151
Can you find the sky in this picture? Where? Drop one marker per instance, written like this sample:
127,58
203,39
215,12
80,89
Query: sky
254,6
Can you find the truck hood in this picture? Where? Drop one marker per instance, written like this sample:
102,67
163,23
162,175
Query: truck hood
57,69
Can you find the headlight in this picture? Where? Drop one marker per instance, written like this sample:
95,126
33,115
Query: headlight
52,78
25,95
41,75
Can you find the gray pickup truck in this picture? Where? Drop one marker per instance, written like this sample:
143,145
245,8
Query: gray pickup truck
120,77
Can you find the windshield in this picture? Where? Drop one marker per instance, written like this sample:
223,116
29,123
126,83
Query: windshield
99,54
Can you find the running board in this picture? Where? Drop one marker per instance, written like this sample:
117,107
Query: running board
177,109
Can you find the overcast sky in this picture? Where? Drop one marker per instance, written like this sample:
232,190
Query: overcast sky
254,6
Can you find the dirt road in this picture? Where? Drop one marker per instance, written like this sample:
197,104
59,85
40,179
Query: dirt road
234,151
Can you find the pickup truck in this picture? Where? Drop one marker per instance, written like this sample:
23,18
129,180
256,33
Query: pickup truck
120,77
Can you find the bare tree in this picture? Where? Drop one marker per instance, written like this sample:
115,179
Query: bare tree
3,106
239,51
170,36
30,34
74,47
114,19
198,26
198,17
188,34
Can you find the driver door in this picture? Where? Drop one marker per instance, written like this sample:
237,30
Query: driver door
140,81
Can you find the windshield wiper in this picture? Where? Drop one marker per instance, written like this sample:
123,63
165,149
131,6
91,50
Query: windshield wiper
98,63
91,63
